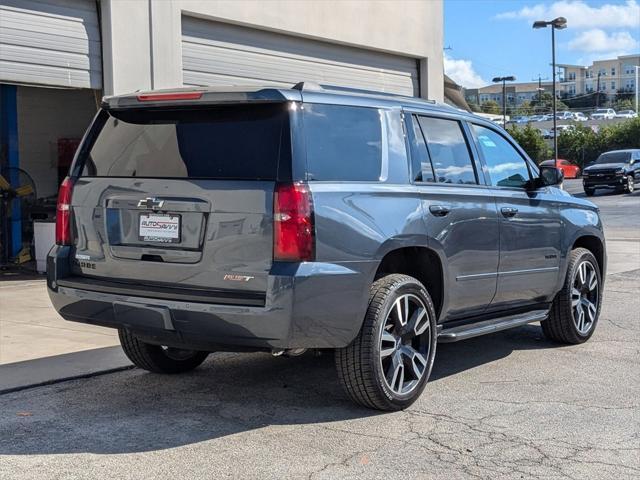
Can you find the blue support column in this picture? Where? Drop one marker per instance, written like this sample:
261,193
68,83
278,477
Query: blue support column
9,142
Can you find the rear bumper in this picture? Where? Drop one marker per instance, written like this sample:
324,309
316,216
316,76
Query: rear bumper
307,305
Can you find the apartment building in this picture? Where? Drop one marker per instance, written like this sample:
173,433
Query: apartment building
517,93
610,76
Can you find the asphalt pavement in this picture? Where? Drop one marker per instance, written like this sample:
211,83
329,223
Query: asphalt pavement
507,405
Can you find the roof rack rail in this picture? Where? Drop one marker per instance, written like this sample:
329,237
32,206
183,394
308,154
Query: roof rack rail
313,86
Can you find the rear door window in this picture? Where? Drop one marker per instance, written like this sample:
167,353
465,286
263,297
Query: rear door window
238,142
450,156
343,143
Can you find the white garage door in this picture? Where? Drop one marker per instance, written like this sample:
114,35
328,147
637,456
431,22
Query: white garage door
50,42
220,54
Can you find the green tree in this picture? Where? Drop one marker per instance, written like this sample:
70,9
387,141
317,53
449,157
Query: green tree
581,145
524,109
531,141
491,106
544,103
624,104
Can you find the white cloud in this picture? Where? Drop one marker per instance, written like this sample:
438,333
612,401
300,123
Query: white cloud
598,40
581,15
462,72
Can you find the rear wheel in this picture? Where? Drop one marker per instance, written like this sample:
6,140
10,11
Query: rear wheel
159,359
387,365
575,310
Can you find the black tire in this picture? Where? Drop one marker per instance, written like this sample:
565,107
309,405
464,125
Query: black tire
361,365
630,186
589,192
157,359
562,324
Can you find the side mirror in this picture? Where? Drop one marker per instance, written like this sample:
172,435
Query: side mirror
550,176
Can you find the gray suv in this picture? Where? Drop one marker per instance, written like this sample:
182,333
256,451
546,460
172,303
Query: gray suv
280,220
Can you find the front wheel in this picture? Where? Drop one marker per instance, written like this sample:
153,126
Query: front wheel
589,192
386,367
575,310
630,186
159,359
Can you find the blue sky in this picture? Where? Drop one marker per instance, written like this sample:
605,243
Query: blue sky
491,38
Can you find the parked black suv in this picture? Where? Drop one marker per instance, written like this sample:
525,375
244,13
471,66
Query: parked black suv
196,221
617,169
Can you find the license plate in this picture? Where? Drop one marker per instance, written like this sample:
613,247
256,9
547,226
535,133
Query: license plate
159,228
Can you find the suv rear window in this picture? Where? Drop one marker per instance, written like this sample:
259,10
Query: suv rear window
232,142
343,143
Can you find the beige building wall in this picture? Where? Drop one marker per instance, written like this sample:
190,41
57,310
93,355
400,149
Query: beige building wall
615,74
142,38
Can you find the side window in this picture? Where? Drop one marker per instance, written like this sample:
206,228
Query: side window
449,151
343,143
507,168
422,169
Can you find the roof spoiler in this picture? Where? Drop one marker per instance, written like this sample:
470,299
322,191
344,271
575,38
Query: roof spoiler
198,96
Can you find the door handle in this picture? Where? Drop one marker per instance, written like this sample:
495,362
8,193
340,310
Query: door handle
439,210
509,211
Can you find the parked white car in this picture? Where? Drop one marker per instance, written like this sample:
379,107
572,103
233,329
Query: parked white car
580,117
626,114
560,129
566,115
604,114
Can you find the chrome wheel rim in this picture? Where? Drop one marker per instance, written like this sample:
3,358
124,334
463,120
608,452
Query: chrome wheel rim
585,297
405,344
630,184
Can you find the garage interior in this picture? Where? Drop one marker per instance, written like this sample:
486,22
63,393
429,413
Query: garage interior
50,87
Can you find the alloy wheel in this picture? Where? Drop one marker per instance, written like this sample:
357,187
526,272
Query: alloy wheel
630,184
585,297
405,342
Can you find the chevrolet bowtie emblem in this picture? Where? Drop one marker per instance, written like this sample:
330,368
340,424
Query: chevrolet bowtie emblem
150,203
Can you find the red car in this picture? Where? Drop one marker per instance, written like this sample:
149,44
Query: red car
569,169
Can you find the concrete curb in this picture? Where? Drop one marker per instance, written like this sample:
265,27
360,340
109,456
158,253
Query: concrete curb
19,376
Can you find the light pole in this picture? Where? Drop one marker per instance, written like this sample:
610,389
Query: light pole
557,23
637,68
504,81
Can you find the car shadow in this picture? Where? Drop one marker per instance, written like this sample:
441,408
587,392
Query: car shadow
136,411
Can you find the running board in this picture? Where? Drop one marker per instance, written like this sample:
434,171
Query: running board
463,332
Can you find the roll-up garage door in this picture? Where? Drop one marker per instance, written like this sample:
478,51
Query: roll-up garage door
50,42
220,54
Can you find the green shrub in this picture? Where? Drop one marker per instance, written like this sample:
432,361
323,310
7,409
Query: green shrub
582,145
531,141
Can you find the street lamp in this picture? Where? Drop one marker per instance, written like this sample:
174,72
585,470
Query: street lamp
557,23
504,81
637,68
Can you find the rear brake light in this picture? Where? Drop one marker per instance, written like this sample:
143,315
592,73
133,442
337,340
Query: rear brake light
159,97
293,229
63,213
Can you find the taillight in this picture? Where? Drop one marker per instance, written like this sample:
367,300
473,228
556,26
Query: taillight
63,213
293,229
